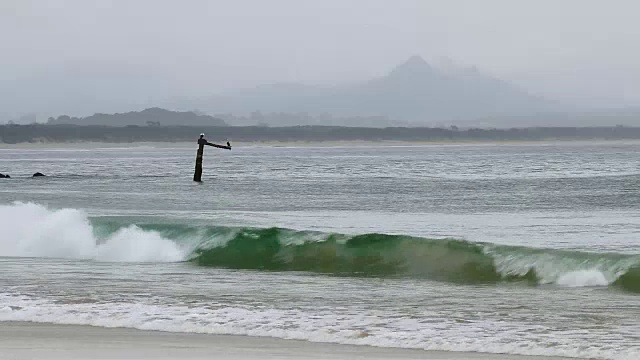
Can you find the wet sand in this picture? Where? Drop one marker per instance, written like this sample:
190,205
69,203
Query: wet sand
22,340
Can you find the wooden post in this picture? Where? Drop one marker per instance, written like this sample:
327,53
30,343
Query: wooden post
197,176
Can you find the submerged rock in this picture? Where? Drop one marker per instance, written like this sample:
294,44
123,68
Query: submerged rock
38,174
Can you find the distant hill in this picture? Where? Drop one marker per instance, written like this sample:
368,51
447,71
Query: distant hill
412,92
147,117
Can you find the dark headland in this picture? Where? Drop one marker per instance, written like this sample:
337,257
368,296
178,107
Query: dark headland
41,133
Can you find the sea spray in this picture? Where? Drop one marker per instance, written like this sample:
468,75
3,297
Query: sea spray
31,230
583,278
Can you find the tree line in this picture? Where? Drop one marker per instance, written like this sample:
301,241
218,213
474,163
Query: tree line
12,134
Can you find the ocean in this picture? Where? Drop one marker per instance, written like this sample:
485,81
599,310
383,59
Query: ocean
528,249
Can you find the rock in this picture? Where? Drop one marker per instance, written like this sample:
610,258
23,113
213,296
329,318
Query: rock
3,176
38,174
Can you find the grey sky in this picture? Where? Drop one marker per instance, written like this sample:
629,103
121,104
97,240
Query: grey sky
51,51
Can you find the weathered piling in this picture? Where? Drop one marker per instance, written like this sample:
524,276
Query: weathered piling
197,176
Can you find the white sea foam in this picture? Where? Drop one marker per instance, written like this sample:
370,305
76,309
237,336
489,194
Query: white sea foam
31,230
322,326
583,278
562,269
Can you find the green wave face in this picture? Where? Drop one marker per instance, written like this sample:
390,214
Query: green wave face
630,280
363,255
382,255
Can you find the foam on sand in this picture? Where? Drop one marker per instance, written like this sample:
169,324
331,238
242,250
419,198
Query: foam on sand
44,341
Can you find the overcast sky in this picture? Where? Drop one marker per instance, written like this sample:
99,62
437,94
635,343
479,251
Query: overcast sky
582,51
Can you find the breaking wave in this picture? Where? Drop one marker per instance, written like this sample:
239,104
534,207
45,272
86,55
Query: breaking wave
31,230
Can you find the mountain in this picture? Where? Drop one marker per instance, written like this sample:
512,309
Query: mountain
413,91
147,117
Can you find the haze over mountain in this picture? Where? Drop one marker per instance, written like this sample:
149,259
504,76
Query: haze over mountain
413,92
78,57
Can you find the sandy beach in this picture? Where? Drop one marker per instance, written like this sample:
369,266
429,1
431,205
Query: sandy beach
22,340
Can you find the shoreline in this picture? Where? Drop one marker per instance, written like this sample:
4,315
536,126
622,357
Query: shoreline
53,341
328,143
